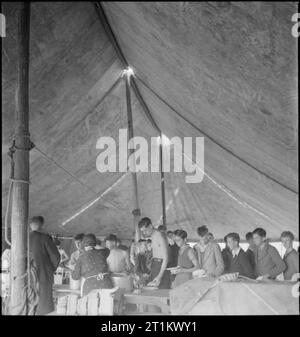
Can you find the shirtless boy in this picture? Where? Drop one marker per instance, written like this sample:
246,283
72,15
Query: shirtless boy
159,276
118,259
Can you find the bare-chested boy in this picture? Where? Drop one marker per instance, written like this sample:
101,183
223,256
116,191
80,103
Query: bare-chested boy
118,259
159,276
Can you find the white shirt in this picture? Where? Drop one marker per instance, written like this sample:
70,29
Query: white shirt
200,247
236,251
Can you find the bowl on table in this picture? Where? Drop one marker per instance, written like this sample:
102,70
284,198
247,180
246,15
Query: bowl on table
75,284
122,281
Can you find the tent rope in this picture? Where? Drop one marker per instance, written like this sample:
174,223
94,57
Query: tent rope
6,214
20,181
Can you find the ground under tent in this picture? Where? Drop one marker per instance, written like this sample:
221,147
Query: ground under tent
220,71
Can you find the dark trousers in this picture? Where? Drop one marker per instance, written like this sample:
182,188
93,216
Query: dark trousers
46,304
165,282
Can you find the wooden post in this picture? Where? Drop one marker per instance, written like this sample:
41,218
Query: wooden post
162,182
131,151
132,83
20,196
136,218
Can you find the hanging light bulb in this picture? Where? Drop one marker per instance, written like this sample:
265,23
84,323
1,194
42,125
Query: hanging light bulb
128,72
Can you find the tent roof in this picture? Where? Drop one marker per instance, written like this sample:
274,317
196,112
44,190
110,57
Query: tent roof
225,71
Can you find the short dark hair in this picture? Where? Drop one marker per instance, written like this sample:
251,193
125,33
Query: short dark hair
145,222
89,240
249,236
111,237
234,236
98,242
181,233
260,231
79,237
38,220
162,228
287,234
202,230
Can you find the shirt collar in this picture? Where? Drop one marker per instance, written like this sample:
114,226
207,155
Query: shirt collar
89,248
287,252
203,248
262,246
236,251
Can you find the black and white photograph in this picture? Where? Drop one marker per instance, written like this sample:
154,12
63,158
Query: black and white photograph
149,162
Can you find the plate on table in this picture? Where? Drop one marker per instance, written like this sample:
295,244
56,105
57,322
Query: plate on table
172,268
150,288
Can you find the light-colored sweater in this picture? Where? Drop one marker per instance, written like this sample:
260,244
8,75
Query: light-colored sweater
291,261
211,259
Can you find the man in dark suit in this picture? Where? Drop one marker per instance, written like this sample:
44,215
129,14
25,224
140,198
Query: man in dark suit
239,261
251,249
226,254
173,252
46,258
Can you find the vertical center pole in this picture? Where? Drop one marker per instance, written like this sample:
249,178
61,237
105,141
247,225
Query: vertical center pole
20,195
162,181
131,152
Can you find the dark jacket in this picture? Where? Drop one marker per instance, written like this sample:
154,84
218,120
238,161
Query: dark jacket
251,257
226,255
291,261
173,255
268,261
46,258
241,264
89,265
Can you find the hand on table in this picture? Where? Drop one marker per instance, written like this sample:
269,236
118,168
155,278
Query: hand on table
176,271
263,277
199,273
155,282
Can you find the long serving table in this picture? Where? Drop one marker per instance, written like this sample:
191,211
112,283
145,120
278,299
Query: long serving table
59,290
146,300
63,289
158,298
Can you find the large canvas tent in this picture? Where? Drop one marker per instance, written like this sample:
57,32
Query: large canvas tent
225,71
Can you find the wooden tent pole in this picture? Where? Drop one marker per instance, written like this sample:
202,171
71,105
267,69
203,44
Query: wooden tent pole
20,196
161,167
162,182
131,151
105,23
